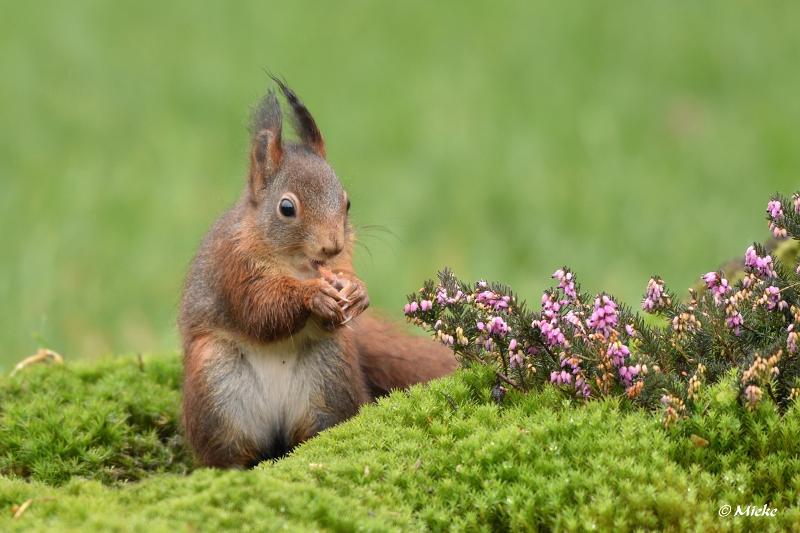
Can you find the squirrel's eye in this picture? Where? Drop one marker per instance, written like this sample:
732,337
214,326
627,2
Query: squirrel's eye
286,208
348,204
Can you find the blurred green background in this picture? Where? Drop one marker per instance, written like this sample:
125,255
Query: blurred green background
503,139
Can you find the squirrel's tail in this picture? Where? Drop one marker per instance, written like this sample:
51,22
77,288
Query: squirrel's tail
392,359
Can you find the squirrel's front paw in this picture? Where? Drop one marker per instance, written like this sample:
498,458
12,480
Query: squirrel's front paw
355,294
326,302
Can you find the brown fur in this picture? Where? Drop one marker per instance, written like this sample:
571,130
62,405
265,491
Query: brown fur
271,355
206,429
267,305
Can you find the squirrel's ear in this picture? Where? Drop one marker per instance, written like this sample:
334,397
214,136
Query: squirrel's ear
266,150
302,121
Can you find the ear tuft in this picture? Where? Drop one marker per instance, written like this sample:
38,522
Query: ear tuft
302,120
267,114
266,150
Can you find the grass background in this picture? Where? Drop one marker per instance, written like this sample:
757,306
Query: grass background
503,139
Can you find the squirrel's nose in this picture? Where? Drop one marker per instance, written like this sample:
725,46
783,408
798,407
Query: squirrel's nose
332,250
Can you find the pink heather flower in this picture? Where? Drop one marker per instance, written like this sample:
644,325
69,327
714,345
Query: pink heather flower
566,282
627,373
654,298
748,280
571,367
796,202
582,388
443,299
516,360
411,308
512,346
493,300
571,363
481,326
497,326
484,296
630,330
773,298
753,395
734,322
568,368
441,296
426,305
549,323
550,306
791,339
573,319
618,352
604,316
762,266
775,209
777,231
551,332
718,286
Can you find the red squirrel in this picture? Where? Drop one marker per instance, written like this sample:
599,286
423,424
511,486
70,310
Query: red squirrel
275,344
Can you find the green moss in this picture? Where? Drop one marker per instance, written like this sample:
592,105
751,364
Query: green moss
112,421
443,456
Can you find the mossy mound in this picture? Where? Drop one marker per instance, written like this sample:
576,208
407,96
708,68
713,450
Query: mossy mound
442,456
113,421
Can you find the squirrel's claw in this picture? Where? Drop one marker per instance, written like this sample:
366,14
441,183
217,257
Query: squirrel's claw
325,302
330,291
357,299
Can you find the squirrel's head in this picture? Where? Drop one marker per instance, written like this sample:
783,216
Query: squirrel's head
298,207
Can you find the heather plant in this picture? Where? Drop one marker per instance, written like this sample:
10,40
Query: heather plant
591,345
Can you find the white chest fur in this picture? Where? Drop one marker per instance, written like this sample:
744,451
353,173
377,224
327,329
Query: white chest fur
285,389
267,389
